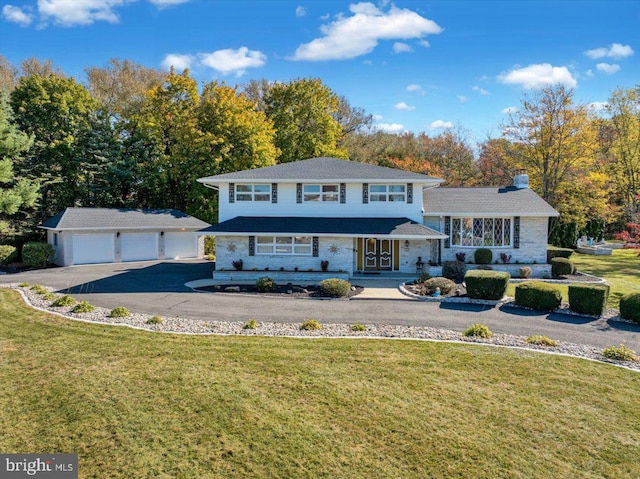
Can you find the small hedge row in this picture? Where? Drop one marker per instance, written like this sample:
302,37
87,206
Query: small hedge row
630,307
37,255
588,299
555,252
334,287
486,284
538,295
483,256
562,267
454,270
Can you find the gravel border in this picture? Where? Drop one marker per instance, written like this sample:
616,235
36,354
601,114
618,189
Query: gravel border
177,325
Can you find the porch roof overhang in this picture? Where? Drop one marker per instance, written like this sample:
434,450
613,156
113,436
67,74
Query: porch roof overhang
400,228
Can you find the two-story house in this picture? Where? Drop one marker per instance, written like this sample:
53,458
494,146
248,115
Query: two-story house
364,218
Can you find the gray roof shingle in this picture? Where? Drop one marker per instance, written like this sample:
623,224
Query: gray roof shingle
121,218
401,227
485,201
320,169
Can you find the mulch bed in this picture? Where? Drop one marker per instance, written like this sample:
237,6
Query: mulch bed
287,290
459,290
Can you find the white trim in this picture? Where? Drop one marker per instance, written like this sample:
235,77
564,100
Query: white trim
172,229
420,181
488,214
338,235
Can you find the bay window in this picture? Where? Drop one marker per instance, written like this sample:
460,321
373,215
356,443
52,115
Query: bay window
481,232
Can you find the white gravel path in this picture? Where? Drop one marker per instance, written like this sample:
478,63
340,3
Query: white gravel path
190,326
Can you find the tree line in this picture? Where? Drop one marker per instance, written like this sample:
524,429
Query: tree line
132,136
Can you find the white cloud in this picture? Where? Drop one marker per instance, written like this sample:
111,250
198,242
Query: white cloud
16,15
300,11
463,99
440,125
414,87
167,3
482,91
377,117
598,105
509,110
390,127
615,50
179,62
424,43
404,107
401,47
538,76
233,61
358,34
608,68
589,73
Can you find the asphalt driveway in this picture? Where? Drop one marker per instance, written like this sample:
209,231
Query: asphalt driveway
159,288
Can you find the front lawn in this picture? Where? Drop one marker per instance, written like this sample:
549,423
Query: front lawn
135,404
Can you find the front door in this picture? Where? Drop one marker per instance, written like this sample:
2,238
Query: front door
378,254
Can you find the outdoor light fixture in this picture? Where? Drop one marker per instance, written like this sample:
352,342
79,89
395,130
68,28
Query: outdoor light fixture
118,234
406,243
161,233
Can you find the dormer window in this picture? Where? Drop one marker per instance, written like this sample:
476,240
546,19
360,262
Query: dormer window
387,193
320,193
253,192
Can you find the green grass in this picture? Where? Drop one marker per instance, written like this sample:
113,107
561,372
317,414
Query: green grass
135,404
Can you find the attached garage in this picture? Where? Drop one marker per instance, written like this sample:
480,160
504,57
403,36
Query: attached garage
93,248
112,235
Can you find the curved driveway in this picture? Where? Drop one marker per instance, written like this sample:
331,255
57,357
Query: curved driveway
159,288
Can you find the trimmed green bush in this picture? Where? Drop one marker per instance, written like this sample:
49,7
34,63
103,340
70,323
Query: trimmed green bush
630,307
525,272
541,341
334,287
538,295
63,301
556,252
561,267
8,254
36,288
48,296
588,299
478,331
444,284
483,256
486,284
358,327
454,270
24,285
37,255
83,307
423,277
154,320
619,353
266,284
119,312
251,324
310,325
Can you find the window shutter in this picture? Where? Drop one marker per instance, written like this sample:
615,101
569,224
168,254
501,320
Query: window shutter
447,231
274,192
365,193
299,193
232,192
343,193
316,251
252,245
516,232
409,192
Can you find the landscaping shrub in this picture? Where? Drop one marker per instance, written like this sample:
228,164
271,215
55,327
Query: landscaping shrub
588,299
8,254
619,353
454,270
444,284
83,307
478,331
461,256
538,295
324,265
36,288
556,252
266,284
36,255
541,341
483,256
154,320
63,301
525,272
119,312
48,296
334,287
630,307
358,327
310,325
561,267
486,284
24,285
237,264
251,324
423,277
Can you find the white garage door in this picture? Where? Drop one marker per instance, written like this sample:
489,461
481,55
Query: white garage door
139,246
93,248
180,245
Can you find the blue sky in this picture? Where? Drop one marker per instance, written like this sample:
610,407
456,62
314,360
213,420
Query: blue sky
415,65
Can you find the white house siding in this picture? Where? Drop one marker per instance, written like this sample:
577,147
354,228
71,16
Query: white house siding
337,250
353,207
409,255
533,244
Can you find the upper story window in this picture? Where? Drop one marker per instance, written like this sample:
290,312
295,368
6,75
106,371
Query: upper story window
320,193
299,245
481,232
387,193
253,192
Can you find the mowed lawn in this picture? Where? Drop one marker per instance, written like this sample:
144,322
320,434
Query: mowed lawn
135,404
621,270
